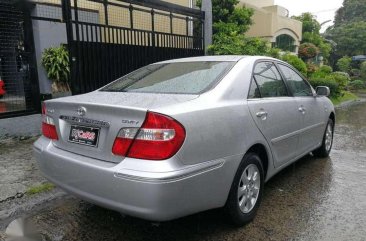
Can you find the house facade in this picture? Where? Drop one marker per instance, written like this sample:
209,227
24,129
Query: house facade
272,23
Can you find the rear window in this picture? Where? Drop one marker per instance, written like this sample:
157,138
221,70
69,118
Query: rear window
172,78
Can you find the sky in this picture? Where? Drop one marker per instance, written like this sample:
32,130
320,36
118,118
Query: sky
323,9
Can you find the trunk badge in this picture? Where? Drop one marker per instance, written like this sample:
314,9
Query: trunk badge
81,111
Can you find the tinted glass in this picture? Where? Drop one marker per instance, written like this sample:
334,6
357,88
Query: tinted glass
178,78
295,82
269,80
254,90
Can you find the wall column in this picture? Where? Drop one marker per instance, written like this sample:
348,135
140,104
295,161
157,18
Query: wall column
207,8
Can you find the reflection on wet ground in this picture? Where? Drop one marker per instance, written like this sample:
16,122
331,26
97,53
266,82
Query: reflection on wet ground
313,199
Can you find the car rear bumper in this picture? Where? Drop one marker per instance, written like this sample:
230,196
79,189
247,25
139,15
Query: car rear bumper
157,196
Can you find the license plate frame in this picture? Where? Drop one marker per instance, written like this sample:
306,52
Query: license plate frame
77,132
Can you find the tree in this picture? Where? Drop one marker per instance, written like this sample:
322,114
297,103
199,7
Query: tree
309,23
221,9
239,21
352,11
311,33
230,24
350,38
349,30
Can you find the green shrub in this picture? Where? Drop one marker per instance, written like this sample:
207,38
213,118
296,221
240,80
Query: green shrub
344,64
355,73
363,70
55,61
296,62
326,69
335,91
312,68
308,51
357,84
323,72
341,78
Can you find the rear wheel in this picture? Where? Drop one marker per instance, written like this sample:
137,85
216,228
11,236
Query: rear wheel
246,190
327,143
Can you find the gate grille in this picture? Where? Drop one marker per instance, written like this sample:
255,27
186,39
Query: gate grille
15,59
108,39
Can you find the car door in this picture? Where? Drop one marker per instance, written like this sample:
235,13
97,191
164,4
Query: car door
310,107
274,112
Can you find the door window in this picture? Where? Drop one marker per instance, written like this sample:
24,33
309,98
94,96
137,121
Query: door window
267,82
254,90
296,83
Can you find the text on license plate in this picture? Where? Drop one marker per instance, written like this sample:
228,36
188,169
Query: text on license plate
84,135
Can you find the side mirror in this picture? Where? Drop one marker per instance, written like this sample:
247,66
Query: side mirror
322,91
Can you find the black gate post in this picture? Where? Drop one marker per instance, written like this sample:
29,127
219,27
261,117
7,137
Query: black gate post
32,61
67,19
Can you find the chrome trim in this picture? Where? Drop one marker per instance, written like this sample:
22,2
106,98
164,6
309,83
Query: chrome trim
84,121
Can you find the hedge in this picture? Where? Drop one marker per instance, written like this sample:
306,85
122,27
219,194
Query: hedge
334,87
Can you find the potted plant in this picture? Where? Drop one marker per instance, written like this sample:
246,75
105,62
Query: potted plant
55,60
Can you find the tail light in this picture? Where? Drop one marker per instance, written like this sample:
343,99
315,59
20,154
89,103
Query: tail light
48,125
159,138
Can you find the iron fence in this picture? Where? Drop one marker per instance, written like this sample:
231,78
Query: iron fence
108,39
19,90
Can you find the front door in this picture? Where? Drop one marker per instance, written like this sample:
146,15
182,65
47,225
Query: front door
310,108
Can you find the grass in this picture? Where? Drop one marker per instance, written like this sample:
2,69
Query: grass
347,96
44,187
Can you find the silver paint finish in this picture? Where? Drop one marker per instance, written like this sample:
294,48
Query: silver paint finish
221,125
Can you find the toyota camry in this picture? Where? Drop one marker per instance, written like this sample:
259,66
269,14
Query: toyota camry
182,136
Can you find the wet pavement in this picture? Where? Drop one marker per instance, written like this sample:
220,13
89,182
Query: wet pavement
313,199
18,169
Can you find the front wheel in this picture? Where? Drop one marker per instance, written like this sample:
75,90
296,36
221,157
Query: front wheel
246,190
327,143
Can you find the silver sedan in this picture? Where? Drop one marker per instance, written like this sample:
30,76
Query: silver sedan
183,136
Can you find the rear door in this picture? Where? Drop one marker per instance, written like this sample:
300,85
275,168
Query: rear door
274,112
311,109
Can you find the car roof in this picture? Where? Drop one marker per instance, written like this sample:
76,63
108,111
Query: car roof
230,58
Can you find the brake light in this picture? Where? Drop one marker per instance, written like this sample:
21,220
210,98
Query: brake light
160,137
48,125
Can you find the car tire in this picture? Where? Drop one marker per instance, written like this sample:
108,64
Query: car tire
239,207
327,142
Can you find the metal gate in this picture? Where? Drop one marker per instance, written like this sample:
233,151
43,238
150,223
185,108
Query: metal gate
19,92
109,38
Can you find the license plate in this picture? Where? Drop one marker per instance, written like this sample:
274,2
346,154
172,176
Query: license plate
84,135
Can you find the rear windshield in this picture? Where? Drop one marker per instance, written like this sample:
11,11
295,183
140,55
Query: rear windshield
169,78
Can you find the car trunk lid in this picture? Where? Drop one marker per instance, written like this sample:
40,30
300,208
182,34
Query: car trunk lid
104,114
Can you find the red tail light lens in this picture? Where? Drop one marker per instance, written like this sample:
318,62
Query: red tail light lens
160,137
49,131
48,125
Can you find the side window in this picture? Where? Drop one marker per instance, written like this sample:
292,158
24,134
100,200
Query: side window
254,91
296,83
269,80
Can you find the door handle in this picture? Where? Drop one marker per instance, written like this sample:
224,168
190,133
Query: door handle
261,114
302,110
